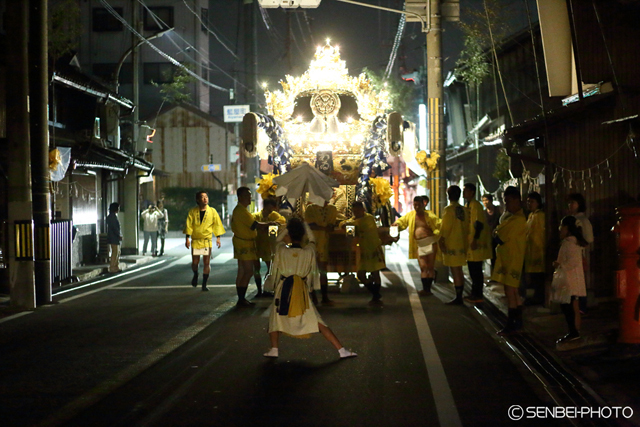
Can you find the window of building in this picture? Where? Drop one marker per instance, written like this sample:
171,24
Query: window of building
105,21
204,17
105,72
205,71
159,19
158,72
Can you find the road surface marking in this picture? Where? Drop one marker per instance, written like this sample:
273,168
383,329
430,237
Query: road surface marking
108,386
222,258
15,316
168,287
136,277
445,405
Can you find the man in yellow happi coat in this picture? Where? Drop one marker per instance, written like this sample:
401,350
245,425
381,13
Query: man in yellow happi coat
322,220
534,257
454,234
424,230
264,245
371,256
512,237
203,222
479,248
245,230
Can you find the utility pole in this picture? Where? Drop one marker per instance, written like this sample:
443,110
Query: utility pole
251,167
131,183
40,175
437,182
20,255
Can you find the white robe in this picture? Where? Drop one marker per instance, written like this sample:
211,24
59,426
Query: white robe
289,262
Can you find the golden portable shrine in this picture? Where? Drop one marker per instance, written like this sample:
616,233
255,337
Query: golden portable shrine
339,124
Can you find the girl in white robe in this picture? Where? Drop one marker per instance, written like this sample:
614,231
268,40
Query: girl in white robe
294,274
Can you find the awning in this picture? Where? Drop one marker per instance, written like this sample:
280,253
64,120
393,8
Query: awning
96,157
83,83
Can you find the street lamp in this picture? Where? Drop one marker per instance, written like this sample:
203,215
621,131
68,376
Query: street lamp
116,72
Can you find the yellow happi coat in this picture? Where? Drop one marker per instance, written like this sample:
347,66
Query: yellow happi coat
455,230
483,250
321,216
371,255
263,243
534,255
244,234
202,232
408,221
510,253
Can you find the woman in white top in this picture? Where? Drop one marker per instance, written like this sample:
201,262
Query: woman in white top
569,267
294,274
578,208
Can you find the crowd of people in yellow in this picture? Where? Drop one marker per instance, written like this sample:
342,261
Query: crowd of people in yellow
465,235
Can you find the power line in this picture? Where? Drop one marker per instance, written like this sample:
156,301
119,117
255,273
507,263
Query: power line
208,30
189,45
158,50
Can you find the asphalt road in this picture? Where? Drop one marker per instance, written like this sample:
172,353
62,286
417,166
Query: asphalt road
147,349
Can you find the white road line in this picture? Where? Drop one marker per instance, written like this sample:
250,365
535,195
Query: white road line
15,316
167,287
445,405
182,260
222,258
99,392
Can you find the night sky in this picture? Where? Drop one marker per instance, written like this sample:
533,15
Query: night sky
365,37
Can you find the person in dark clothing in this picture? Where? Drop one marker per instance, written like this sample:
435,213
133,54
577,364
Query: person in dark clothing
492,213
163,225
114,237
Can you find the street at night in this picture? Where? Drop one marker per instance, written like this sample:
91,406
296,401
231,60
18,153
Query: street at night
146,348
319,213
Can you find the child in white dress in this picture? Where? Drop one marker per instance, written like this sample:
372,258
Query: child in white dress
293,274
568,281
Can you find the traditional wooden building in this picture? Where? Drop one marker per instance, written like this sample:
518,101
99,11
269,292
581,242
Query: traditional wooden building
589,144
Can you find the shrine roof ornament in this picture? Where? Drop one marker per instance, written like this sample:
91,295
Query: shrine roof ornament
327,73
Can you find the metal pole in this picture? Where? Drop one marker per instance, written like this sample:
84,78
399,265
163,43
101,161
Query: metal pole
40,176
136,70
21,266
438,184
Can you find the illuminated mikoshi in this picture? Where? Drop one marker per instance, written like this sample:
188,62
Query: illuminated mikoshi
326,118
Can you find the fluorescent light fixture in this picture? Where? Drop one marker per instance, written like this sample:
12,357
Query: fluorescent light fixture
289,4
496,141
450,79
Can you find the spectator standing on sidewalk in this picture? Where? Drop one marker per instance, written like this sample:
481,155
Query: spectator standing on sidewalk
578,209
424,232
479,243
150,219
512,239
163,225
203,222
492,215
534,258
114,237
264,244
568,280
371,255
293,275
454,235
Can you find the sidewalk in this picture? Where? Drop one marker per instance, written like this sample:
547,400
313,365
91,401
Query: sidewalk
609,368
91,271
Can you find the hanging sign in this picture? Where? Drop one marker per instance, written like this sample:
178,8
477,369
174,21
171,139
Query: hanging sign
235,113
